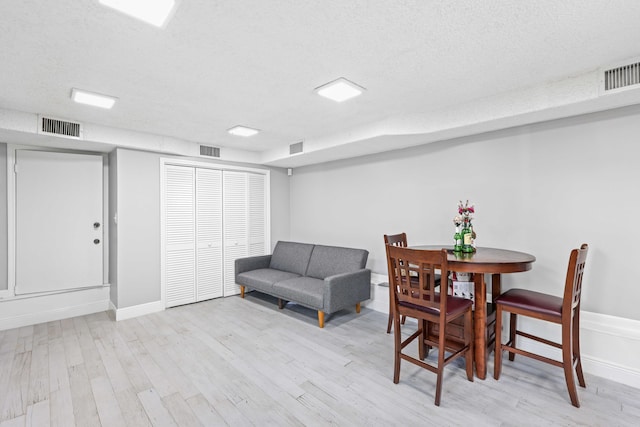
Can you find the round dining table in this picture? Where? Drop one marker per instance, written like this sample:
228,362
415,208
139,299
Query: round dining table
484,261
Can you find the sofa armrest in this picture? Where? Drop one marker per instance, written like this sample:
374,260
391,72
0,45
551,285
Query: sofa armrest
346,289
251,263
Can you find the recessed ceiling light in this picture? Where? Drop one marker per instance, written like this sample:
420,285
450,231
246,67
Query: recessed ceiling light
94,99
242,131
340,90
154,12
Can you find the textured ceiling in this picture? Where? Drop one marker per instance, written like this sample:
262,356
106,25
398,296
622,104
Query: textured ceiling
256,63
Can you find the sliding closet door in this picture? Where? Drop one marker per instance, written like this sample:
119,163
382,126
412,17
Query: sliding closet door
209,234
180,235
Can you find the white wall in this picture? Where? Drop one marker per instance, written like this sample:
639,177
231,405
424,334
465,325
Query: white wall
542,189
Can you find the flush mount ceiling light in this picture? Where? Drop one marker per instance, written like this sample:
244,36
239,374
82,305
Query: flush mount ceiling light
94,99
340,90
154,12
242,131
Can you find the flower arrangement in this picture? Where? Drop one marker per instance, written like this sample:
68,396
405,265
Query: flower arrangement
465,239
466,211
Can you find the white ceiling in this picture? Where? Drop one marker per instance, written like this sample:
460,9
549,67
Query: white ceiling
432,69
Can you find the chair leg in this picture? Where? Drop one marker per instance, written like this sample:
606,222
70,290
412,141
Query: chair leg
512,334
567,364
390,322
497,354
468,357
576,348
440,368
423,336
397,339
403,319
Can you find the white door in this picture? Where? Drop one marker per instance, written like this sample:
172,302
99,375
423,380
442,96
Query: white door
209,283
59,224
180,249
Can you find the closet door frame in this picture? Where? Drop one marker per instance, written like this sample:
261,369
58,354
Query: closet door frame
206,165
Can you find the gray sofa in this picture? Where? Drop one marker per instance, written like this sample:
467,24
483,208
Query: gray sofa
323,278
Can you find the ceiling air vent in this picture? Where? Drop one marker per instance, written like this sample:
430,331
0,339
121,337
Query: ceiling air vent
296,148
57,127
209,151
621,77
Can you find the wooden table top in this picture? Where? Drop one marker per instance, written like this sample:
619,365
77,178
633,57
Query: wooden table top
486,260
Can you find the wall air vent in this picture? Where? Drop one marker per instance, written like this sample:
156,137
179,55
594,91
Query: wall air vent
206,150
296,148
622,77
58,127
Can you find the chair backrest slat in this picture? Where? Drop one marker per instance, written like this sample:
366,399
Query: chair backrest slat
573,284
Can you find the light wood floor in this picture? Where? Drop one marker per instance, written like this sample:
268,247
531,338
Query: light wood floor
244,362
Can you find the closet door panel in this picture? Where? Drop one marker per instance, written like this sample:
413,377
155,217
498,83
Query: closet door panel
209,265
257,203
180,253
236,233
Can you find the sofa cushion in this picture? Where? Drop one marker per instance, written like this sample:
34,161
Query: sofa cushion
263,279
331,260
292,257
304,290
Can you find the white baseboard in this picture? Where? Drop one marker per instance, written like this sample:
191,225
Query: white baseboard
137,310
26,311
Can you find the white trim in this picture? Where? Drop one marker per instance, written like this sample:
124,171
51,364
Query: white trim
21,312
207,165
137,310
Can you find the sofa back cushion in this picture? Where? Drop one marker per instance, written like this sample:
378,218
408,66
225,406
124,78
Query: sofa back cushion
330,260
291,256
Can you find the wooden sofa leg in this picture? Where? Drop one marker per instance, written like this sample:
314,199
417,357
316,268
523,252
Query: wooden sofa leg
281,304
358,308
321,318
241,291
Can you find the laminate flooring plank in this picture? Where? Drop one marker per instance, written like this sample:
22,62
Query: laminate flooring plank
14,422
156,411
206,413
85,411
16,390
39,373
107,405
25,339
180,411
61,408
113,368
38,414
132,368
131,408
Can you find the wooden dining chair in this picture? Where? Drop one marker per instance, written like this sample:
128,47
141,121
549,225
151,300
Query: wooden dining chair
423,302
401,241
564,311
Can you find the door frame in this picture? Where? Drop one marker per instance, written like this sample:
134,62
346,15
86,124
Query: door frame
206,165
9,293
